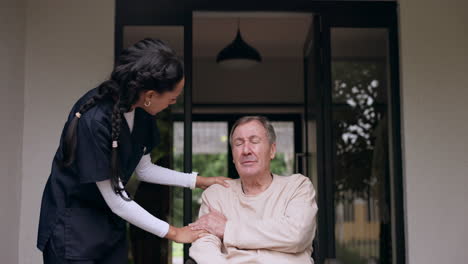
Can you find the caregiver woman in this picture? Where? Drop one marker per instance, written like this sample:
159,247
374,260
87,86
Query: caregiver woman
109,134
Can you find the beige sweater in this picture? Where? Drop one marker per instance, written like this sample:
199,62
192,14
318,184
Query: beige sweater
275,226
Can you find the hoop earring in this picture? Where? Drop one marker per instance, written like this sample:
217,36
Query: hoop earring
147,103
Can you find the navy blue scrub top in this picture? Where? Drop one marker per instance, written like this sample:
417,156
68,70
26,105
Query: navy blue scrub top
73,211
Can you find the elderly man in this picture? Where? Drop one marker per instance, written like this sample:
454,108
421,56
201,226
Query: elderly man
262,218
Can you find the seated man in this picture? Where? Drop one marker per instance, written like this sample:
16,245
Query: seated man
262,218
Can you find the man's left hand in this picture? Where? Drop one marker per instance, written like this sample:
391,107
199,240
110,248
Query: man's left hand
213,222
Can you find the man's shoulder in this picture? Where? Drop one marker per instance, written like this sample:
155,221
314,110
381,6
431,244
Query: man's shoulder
296,181
299,178
219,191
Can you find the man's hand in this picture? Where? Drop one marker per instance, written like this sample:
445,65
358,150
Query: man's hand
213,222
205,182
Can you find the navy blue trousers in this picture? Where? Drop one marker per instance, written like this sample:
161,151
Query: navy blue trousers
117,255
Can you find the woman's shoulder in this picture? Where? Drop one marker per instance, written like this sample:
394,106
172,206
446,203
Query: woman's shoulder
101,112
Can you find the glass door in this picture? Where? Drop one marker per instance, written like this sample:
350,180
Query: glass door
359,91
360,160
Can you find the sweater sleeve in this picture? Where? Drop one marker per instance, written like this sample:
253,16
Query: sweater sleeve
148,172
131,211
291,233
207,249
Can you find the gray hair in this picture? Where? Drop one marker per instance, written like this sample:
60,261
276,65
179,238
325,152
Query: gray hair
270,131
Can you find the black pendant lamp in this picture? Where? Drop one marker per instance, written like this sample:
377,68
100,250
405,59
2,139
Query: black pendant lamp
238,54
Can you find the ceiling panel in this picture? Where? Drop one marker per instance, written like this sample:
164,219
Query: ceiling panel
273,37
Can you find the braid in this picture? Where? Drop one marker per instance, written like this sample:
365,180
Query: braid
106,89
117,111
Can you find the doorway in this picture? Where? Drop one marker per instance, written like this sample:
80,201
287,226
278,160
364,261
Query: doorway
346,101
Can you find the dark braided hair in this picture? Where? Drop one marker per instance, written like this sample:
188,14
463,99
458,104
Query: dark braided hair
147,65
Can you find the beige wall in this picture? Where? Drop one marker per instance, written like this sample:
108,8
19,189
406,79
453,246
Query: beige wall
12,30
434,77
69,50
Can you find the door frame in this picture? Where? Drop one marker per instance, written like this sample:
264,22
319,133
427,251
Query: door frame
180,13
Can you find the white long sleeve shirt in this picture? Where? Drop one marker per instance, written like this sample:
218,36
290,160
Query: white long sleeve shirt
148,172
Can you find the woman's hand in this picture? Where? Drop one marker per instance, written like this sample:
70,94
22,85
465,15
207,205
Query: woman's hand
184,234
213,222
205,182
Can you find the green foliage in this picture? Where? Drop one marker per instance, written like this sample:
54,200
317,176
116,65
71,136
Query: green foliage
278,164
356,91
210,164
347,255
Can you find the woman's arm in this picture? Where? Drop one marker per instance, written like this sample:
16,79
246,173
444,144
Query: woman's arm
148,172
136,215
131,211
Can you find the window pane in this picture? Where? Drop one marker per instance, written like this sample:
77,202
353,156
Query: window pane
360,135
209,158
283,164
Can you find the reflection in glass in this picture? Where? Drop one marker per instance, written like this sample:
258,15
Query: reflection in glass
360,138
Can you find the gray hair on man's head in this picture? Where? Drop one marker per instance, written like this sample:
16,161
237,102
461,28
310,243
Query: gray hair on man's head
270,131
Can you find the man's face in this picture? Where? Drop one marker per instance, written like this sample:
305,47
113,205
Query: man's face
251,150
